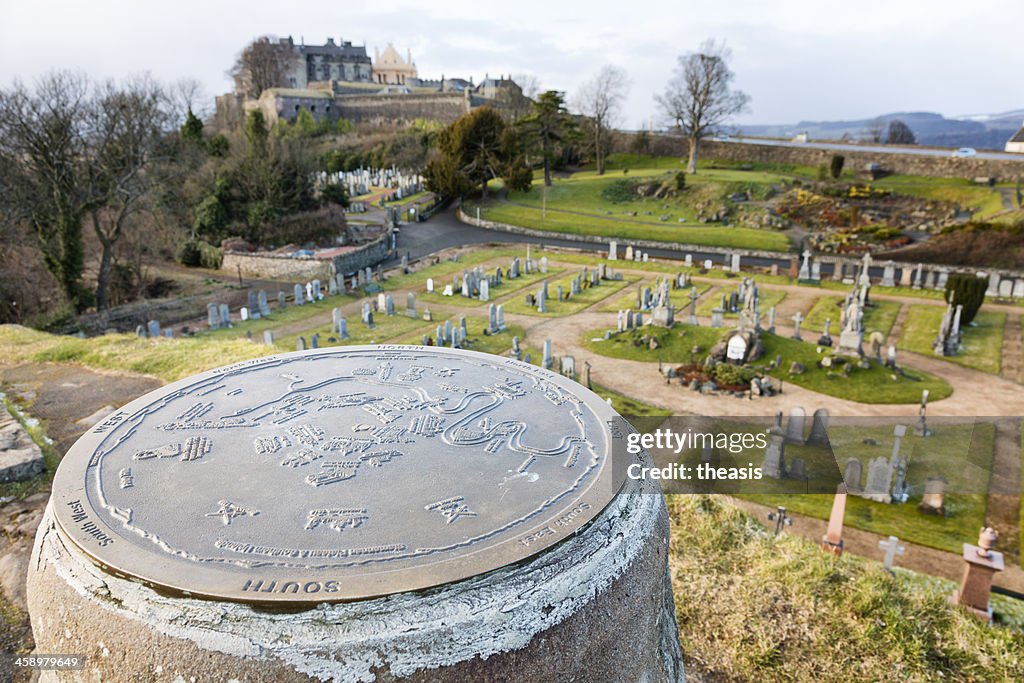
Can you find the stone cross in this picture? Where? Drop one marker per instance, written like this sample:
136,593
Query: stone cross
892,548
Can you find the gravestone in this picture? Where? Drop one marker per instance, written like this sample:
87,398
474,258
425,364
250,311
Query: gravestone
268,337
889,275
153,328
430,284
774,463
983,563
225,316
410,305
212,316
263,304
288,563
879,483
933,501
852,475
819,428
243,313
795,426
798,469
282,301
613,251
832,541
298,295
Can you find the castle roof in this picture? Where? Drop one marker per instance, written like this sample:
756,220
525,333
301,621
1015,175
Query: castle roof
345,49
391,59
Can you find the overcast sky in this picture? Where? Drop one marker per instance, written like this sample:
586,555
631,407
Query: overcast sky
798,59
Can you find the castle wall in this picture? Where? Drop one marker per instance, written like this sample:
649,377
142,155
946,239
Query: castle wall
376,108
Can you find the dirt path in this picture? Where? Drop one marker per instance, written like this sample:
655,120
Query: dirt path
1013,350
60,396
1003,508
865,544
897,325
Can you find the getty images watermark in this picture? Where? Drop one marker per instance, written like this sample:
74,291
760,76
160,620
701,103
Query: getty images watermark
666,440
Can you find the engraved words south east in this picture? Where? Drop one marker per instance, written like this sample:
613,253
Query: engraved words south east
339,474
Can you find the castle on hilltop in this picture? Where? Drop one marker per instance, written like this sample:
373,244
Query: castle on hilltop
339,80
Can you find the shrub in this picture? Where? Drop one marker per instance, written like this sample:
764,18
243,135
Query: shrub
968,290
732,375
200,254
836,167
619,191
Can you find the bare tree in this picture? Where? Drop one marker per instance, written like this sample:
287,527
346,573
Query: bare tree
43,171
600,100
529,83
699,96
875,130
128,124
187,95
261,65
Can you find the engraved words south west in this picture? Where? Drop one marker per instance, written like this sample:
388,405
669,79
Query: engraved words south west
339,474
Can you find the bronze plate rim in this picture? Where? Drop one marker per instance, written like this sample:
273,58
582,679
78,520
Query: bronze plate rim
131,561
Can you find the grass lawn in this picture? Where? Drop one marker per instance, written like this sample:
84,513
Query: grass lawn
983,344
680,297
168,359
278,318
961,453
506,288
498,344
754,607
555,308
675,345
874,385
878,317
612,227
385,328
630,407
984,201
769,298
442,272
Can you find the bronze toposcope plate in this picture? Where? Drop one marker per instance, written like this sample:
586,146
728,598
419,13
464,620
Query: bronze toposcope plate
339,474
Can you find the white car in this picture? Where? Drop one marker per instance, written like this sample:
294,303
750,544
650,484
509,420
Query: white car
722,137
964,152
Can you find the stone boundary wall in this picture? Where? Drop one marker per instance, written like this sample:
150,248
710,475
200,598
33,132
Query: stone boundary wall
274,266
725,251
911,164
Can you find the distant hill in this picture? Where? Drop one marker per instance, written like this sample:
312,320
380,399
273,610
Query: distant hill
981,131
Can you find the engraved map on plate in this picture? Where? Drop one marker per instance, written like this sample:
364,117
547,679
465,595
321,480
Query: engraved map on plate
338,474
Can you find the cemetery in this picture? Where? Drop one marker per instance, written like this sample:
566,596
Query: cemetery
361,373
659,338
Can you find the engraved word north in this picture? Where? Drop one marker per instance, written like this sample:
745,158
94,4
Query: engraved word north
340,474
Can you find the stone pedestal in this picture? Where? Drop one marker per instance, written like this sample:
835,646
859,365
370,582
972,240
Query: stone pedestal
976,584
595,607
